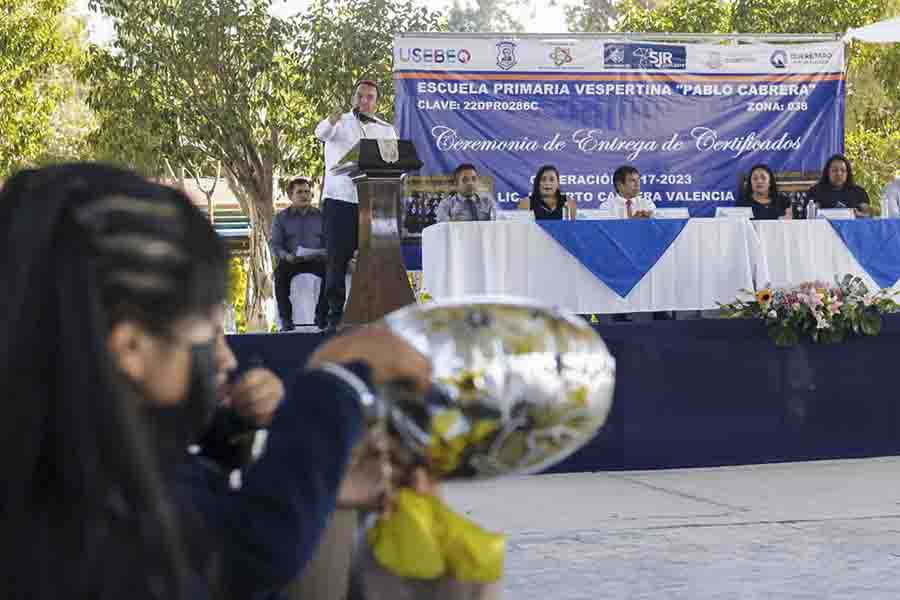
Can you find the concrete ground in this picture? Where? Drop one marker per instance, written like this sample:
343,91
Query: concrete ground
828,529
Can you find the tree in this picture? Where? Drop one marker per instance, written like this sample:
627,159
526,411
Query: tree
33,43
72,120
800,16
197,83
875,155
676,16
203,81
339,43
597,15
750,16
486,15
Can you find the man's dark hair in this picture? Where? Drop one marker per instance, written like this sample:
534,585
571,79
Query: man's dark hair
368,82
463,167
297,181
620,175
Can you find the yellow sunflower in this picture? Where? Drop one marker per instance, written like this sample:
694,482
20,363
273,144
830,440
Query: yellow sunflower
764,296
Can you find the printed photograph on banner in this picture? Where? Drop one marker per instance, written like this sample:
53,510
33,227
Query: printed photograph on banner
421,196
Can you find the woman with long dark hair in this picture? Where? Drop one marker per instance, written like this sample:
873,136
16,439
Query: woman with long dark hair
546,200
837,189
760,192
111,350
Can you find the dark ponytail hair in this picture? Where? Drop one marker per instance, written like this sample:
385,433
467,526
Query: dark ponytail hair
84,499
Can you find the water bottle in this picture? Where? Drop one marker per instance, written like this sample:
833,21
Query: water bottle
812,210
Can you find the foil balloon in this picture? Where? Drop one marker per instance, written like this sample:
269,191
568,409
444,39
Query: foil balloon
517,386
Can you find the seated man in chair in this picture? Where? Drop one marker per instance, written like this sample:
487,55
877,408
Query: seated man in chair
465,204
298,246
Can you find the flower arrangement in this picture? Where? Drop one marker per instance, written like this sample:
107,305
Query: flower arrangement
418,287
816,310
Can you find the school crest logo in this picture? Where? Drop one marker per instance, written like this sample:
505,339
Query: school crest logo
506,55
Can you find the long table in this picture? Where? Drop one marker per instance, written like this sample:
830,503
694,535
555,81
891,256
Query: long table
798,251
709,262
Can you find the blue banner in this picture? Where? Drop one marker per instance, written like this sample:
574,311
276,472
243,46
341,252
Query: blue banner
693,119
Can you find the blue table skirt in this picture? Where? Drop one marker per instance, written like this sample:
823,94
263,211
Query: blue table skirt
714,392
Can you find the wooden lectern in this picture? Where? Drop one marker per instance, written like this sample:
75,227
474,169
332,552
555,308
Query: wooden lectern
379,284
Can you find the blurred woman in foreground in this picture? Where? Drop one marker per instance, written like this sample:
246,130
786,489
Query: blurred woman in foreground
111,353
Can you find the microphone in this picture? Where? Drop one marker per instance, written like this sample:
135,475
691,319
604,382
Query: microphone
363,117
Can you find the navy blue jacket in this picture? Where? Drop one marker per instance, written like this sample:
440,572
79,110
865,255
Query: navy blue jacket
269,528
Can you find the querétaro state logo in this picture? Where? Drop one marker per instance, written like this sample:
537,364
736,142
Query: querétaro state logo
779,59
647,57
506,55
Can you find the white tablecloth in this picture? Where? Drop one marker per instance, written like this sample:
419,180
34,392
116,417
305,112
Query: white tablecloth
709,262
799,251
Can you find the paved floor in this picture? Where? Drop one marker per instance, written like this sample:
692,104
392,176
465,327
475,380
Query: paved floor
827,529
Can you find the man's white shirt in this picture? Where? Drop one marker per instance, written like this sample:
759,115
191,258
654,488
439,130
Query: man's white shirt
618,209
890,200
339,139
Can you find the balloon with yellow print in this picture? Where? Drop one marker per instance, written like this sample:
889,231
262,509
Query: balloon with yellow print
517,386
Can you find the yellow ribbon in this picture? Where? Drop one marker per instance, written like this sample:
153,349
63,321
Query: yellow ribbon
452,435
424,539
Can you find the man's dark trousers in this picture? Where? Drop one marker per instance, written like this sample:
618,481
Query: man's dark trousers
341,228
284,273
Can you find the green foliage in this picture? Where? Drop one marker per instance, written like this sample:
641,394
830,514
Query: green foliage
749,16
676,16
801,16
72,121
874,83
34,44
592,15
486,15
193,83
875,155
237,291
337,44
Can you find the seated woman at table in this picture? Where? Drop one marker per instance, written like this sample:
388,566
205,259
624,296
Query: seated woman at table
546,201
760,192
836,189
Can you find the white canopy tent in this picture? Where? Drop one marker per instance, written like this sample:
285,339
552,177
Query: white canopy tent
883,32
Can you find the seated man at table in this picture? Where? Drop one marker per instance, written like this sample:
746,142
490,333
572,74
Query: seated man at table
628,203
465,204
298,246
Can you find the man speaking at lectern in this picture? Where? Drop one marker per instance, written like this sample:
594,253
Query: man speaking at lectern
340,212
